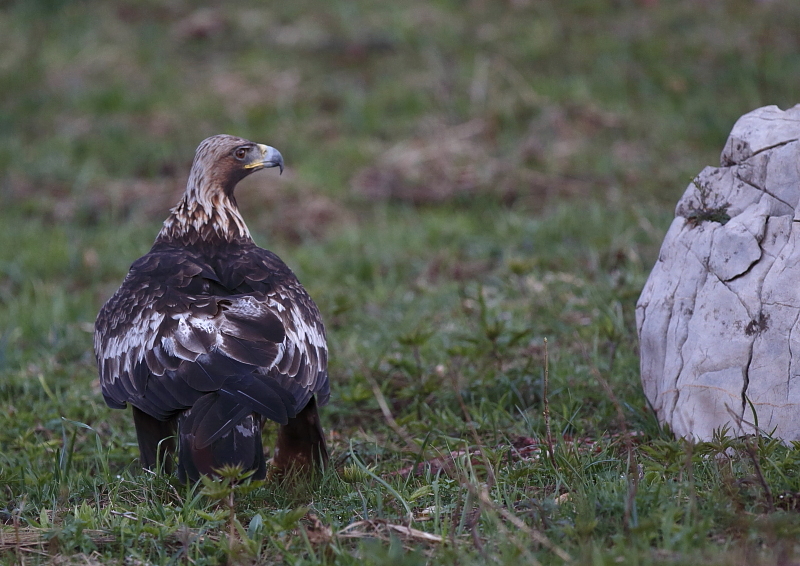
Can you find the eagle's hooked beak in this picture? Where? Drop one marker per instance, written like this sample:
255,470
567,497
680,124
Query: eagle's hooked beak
270,157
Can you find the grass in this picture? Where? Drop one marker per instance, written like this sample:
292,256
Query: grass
464,180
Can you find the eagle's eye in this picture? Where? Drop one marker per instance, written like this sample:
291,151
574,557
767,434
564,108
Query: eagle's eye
240,153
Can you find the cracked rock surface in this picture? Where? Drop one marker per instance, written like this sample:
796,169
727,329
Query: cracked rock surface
718,316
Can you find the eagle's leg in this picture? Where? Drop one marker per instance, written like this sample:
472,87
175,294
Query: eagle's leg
301,443
156,440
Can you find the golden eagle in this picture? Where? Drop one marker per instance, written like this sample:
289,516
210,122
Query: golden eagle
210,334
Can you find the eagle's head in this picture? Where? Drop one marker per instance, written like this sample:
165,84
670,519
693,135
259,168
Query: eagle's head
222,161
208,209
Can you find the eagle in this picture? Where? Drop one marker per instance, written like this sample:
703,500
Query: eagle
209,335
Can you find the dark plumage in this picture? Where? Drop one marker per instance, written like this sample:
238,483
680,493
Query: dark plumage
210,334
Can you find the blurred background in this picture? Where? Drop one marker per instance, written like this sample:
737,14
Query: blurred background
518,103
463,178
421,139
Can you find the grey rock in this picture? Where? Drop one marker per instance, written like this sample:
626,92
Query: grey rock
718,316
759,130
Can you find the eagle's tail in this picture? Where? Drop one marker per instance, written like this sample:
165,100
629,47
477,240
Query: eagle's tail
217,432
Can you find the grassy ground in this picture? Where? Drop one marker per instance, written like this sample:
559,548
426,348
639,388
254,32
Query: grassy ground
475,192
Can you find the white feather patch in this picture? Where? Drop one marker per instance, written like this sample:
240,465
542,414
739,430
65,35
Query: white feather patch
300,335
130,345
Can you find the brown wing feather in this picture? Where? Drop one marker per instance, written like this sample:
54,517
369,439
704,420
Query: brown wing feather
162,342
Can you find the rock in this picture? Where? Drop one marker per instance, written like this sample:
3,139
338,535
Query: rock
718,316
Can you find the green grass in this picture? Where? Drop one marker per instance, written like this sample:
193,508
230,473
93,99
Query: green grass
464,180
